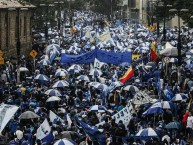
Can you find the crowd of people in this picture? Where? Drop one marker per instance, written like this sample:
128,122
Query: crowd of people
79,104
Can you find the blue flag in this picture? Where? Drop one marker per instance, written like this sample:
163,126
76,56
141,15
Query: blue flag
93,132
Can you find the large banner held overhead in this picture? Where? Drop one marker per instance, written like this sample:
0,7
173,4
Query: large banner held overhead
6,113
101,55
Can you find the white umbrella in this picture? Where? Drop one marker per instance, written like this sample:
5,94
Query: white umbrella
60,84
65,141
147,132
53,98
23,69
53,92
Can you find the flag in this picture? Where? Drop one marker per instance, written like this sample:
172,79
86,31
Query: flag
6,113
54,118
93,132
69,120
105,37
44,133
115,77
129,74
153,52
98,64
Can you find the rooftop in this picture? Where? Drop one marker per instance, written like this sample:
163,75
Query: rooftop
14,4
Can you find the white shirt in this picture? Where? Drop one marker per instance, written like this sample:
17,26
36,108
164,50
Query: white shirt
189,122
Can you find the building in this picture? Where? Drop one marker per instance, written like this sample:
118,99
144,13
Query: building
15,28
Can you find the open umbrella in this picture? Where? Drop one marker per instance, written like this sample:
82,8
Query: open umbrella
97,108
65,141
101,87
173,125
41,77
146,133
61,74
60,84
23,69
131,88
83,78
28,115
53,98
53,92
179,97
44,62
154,109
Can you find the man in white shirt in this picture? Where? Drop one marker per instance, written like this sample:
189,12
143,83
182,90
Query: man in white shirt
189,125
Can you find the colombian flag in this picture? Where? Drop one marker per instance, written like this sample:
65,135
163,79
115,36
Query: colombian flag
129,74
153,53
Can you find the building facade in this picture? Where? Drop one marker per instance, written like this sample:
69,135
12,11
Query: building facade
15,28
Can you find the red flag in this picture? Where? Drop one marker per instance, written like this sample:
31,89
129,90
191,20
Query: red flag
129,74
153,53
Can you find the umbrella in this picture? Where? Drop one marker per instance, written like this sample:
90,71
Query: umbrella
179,97
44,62
131,88
167,105
146,133
28,115
124,64
97,108
173,60
61,74
101,87
95,72
53,98
41,77
53,92
83,78
75,67
60,84
68,134
154,109
61,69
65,141
173,125
23,69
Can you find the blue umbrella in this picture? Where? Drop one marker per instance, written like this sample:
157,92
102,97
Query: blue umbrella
97,108
189,66
44,62
83,78
146,133
60,84
41,77
154,109
53,92
179,97
65,141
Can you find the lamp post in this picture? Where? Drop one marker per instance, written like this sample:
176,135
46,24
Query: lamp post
46,19
179,46
59,18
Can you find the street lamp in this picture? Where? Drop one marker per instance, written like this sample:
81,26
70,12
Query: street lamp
179,46
46,23
59,17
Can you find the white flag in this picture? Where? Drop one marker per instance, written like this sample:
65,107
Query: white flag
98,64
6,113
43,130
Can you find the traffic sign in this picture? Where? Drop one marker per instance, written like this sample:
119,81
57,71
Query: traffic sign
166,59
2,60
151,28
33,53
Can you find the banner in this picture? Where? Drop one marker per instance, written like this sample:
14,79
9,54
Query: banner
6,113
43,130
141,98
53,117
101,55
125,114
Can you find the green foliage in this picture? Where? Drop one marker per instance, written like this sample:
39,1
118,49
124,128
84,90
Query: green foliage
163,11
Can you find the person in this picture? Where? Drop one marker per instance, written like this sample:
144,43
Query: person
189,125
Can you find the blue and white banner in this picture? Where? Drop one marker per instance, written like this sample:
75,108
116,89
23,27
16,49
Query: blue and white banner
101,55
6,113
